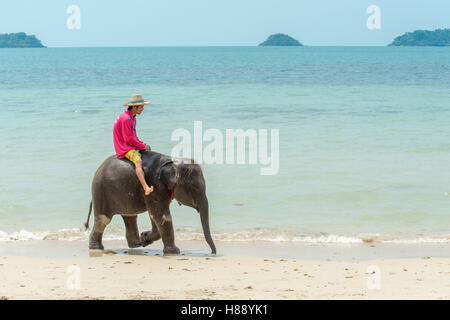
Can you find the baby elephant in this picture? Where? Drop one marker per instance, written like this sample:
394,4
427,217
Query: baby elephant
117,190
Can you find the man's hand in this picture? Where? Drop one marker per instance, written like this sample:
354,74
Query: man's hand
147,147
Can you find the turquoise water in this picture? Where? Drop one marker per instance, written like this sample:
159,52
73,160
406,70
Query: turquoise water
364,138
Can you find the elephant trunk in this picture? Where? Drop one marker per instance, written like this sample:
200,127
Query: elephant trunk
203,209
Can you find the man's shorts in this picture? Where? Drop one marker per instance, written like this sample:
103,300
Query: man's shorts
133,155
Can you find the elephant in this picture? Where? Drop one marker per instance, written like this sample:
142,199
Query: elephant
117,190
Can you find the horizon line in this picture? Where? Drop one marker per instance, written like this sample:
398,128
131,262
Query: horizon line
202,46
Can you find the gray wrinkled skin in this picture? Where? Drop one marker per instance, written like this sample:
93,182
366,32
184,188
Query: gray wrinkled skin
117,190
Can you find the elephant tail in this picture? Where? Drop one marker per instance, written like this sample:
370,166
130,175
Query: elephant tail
86,225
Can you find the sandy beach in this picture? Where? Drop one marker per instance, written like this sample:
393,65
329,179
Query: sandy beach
139,274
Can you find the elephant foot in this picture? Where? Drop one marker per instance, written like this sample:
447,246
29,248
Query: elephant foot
171,250
95,241
96,246
134,244
148,237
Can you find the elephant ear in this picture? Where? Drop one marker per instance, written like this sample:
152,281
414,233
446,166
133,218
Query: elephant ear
167,173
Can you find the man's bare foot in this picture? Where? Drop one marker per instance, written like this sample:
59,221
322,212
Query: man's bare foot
148,190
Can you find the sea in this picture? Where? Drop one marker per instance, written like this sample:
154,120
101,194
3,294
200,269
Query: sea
364,139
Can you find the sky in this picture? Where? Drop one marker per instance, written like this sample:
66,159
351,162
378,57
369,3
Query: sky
219,22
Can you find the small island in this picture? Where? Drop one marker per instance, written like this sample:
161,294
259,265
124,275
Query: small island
436,38
19,40
280,39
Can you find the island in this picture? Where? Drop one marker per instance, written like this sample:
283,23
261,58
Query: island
280,39
19,40
436,38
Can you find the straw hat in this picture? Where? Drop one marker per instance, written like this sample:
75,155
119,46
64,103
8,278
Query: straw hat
137,100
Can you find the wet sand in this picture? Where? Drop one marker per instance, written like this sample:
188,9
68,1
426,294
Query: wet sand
314,252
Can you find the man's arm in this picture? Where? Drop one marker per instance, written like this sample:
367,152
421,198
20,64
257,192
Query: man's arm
130,137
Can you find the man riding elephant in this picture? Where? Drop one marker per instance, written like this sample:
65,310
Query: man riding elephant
117,188
126,142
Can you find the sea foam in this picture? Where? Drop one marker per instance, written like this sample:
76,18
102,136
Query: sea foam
193,234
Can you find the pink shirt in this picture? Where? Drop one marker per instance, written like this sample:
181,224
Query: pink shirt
124,134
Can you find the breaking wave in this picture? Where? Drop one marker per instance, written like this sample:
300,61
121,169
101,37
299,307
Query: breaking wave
193,234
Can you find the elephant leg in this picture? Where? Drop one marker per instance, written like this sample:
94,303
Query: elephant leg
95,239
132,232
163,221
148,237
